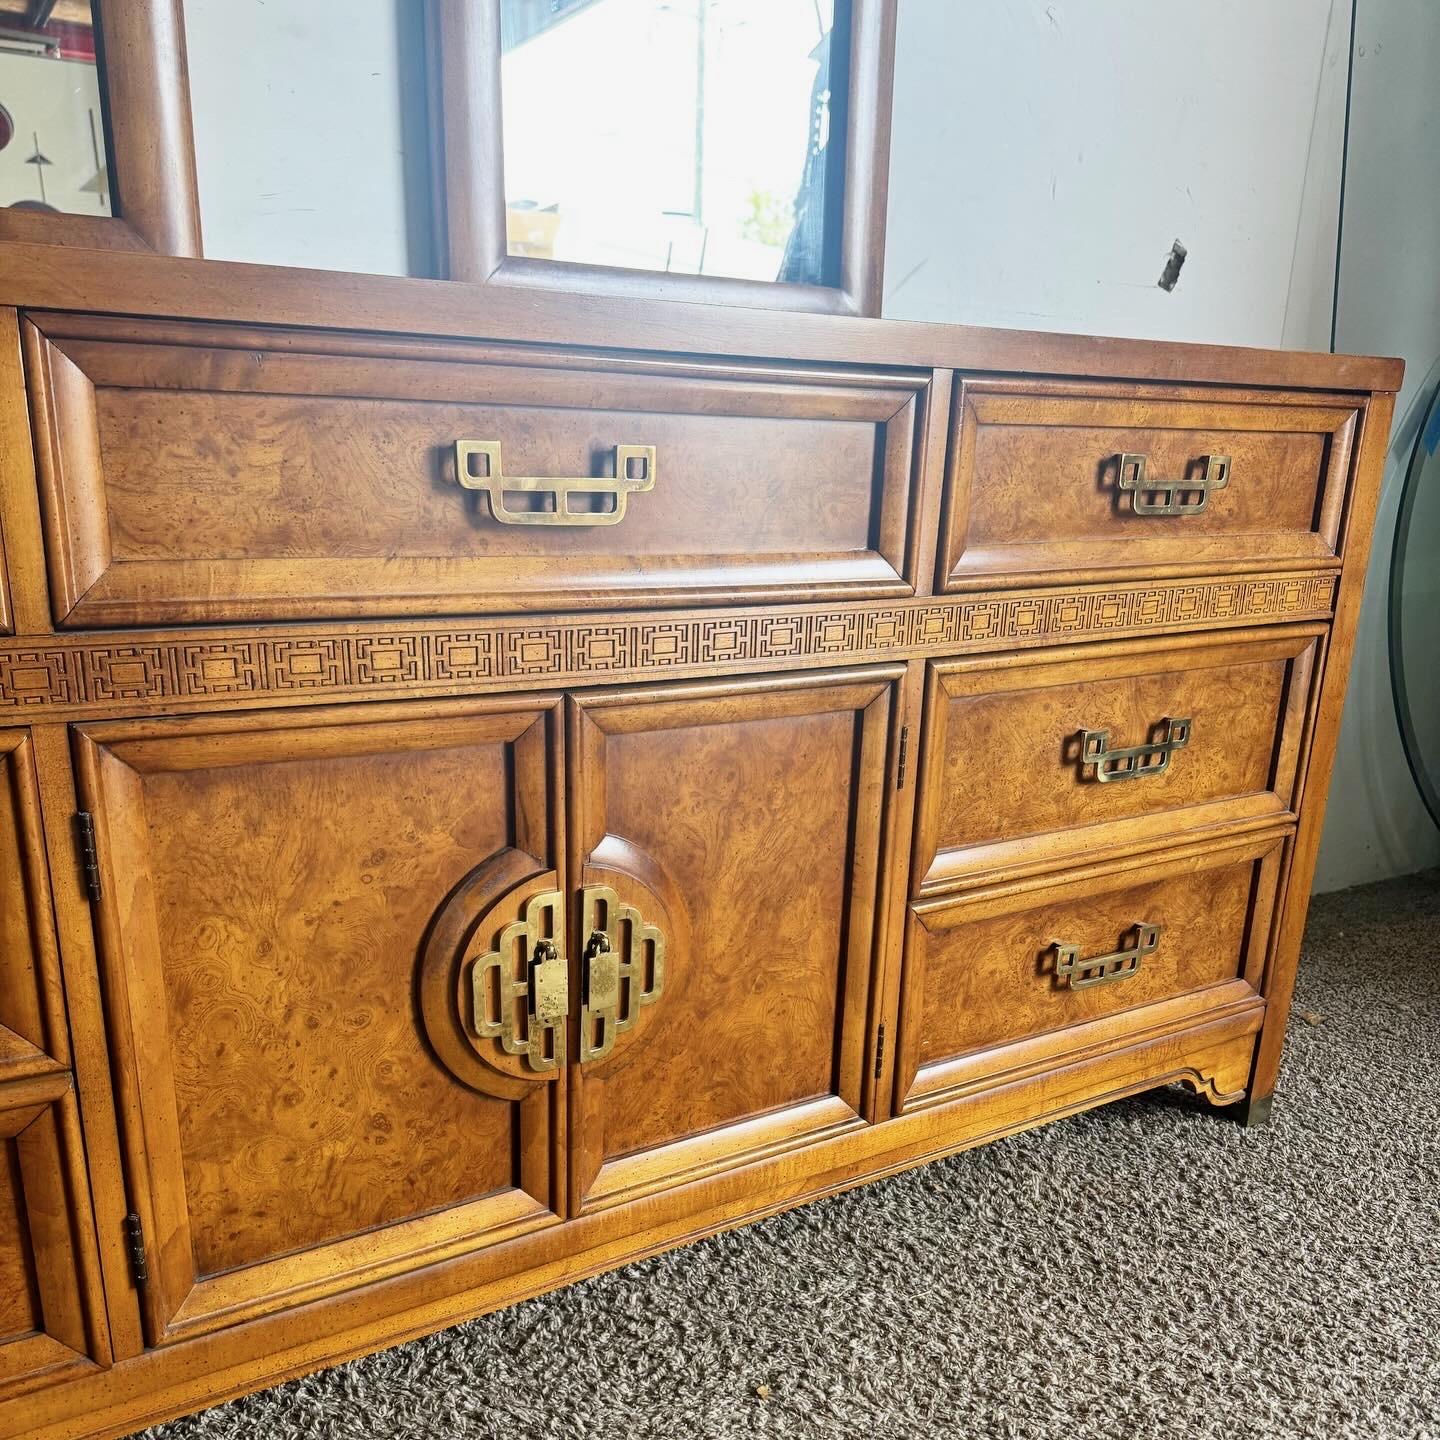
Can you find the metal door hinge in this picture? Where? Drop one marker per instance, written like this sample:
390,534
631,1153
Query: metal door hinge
904,757
879,1051
135,1247
89,860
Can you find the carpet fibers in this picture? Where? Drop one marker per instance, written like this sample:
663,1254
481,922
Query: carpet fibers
1147,1269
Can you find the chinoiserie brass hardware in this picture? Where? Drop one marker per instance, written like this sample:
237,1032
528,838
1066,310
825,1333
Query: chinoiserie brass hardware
615,978
135,1249
525,1005
1102,969
1135,761
89,857
879,1051
478,467
904,757
1172,497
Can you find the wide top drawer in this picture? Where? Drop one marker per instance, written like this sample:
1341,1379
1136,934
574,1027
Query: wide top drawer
194,473
1076,481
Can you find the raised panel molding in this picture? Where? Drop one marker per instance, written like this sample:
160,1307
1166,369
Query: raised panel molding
88,675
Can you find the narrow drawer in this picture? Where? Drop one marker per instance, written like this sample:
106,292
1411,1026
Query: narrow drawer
1063,753
191,473
1093,481
1013,979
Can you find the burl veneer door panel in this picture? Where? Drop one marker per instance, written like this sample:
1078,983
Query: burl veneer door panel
289,903
1008,980
51,1308
32,1021
1189,734
1034,485
743,821
202,475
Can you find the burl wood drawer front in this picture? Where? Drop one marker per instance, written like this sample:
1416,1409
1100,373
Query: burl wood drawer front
267,886
1094,481
192,474
1018,978
1081,751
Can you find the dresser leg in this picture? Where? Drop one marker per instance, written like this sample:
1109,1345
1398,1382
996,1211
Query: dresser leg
1253,1111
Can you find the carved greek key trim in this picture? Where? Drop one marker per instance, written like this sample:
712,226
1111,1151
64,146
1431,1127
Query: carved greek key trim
141,671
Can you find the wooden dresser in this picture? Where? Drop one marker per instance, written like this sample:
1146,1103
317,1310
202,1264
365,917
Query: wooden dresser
498,784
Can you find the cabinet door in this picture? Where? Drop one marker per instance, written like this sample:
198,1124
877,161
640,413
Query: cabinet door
287,904
742,822
49,1287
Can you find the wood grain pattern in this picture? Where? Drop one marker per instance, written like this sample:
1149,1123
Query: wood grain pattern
980,973
1004,784
1033,483
767,487
751,810
273,888
19,1294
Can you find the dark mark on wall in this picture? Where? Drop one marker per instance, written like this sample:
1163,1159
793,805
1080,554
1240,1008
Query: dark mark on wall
1171,273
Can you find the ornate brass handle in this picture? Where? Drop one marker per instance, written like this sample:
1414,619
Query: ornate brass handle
1135,761
615,980
478,467
1103,969
1172,497
526,1011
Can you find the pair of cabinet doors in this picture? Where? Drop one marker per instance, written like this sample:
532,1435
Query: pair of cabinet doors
294,906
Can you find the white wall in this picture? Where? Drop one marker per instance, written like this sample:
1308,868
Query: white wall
1389,302
309,132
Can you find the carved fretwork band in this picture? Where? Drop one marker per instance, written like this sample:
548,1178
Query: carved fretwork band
90,672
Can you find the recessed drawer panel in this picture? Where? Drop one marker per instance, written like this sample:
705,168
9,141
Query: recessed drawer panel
192,474
1067,752
1021,976
1094,481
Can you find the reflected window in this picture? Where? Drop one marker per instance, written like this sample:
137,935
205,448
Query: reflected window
52,130
698,137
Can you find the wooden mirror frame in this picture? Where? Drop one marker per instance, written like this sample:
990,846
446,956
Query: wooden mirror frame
150,148
469,176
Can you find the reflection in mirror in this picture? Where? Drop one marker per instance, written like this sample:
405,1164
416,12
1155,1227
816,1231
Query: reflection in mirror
52,132
1415,612
700,137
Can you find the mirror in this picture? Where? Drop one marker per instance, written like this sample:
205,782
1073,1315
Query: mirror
52,129
695,137
1415,612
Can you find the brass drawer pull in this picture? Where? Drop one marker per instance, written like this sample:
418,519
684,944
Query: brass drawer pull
1172,497
1103,969
478,467
1134,762
615,980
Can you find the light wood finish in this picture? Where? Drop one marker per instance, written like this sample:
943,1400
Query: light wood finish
982,997
151,143
771,483
1034,483
468,163
264,899
856,812
1005,786
748,816
51,1313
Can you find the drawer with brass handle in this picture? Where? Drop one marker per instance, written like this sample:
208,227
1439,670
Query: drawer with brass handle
188,474
1015,977
1028,760
1085,481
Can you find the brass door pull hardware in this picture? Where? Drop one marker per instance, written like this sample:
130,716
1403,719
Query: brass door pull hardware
1134,762
478,467
1079,973
1172,497
525,1005
615,979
